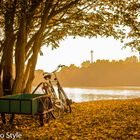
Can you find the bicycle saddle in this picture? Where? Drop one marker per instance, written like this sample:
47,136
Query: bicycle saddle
47,76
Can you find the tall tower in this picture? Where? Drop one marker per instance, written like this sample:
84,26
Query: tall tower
139,54
91,56
139,57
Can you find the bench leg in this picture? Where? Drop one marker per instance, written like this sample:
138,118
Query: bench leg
3,118
41,119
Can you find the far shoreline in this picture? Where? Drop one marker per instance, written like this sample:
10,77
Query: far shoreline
106,87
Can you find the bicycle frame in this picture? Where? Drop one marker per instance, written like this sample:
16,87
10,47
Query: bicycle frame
59,86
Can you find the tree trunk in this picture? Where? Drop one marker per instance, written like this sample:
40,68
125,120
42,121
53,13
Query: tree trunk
20,56
8,45
26,74
20,52
7,68
1,89
36,48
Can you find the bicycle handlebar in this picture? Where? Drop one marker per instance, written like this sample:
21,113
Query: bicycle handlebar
59,66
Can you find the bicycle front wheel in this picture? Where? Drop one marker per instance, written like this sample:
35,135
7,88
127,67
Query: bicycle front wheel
67,106
66,102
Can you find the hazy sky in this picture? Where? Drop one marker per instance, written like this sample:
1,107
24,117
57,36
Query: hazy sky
75,51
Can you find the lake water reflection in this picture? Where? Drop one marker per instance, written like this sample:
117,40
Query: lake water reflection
91,94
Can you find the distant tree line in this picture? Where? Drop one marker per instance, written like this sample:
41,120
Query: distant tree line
102,73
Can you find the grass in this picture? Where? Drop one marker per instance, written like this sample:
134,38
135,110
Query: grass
109,119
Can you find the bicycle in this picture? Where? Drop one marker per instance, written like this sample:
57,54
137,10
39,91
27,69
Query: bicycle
57,104
62,96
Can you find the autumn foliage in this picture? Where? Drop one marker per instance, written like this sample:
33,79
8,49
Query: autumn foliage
114,119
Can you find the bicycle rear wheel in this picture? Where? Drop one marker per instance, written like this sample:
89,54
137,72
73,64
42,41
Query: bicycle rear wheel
45,110
57,106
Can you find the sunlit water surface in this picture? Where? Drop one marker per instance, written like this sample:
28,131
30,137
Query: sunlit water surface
91,94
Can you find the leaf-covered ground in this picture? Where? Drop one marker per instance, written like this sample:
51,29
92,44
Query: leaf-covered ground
113,119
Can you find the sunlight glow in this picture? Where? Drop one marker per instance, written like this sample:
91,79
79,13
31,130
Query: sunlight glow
76,51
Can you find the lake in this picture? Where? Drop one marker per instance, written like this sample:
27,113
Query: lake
92,94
